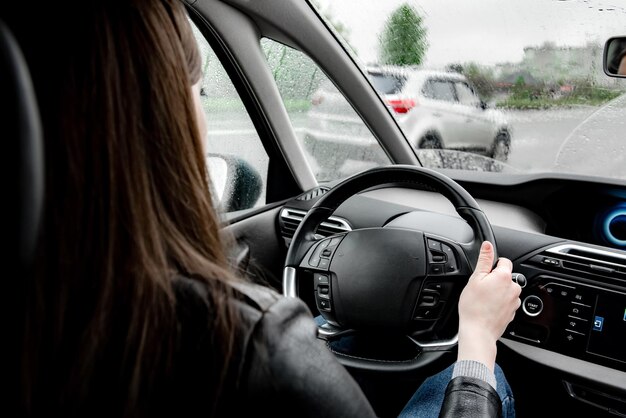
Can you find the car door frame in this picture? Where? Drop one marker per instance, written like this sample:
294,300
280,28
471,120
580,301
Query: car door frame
234,29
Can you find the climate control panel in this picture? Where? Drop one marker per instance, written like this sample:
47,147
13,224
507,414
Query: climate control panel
578,320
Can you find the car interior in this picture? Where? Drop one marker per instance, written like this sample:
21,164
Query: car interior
382,255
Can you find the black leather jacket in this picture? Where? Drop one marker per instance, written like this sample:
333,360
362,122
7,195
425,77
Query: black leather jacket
287,371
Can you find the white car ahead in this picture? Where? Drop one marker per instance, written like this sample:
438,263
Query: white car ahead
435,109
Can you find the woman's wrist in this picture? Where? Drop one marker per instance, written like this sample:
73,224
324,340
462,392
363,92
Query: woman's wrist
477,345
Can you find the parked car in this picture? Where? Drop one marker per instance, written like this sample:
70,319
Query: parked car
435,109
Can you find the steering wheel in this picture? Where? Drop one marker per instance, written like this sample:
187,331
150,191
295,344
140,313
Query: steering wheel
388,279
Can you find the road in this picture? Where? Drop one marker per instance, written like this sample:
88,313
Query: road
537,139
539,134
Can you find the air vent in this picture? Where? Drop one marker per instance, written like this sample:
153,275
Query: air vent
571,259
312,194
290,220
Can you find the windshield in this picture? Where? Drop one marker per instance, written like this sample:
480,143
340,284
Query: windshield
518,83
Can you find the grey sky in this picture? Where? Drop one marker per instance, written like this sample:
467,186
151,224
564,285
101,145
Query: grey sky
485,31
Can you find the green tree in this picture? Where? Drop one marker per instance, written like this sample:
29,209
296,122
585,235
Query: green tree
403,40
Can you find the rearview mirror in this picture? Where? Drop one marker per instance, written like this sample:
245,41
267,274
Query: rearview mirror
236,184
615,57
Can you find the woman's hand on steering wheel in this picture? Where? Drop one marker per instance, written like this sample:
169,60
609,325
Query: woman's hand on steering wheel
487,305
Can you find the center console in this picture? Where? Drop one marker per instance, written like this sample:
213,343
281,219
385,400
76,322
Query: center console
574,304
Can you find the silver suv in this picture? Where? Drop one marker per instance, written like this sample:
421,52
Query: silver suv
435,109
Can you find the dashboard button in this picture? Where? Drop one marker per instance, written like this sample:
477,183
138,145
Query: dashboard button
580,297
579,311
573,340
549,289
532,305
576,324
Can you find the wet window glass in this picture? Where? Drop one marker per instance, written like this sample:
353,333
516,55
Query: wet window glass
236,159
334,138
541,103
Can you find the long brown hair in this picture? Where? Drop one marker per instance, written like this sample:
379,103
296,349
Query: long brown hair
128,208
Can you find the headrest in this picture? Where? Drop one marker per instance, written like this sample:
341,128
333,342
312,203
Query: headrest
23,153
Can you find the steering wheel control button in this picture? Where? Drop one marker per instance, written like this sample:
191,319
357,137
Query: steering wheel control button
323,304
323,290
447,250
324,263
429,312
436,286
321,279
437,258
443,289
434,245
451,267
435,269
532,305
314,261
334,242
429,299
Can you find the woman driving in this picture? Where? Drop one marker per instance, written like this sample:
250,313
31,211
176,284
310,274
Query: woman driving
134,309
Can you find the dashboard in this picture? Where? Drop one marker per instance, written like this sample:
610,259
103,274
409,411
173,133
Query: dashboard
566,237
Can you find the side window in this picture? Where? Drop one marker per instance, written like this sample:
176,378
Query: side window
336,141
466,95
440,90
236,158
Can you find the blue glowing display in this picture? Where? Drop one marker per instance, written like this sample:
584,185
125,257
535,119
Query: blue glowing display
614,226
